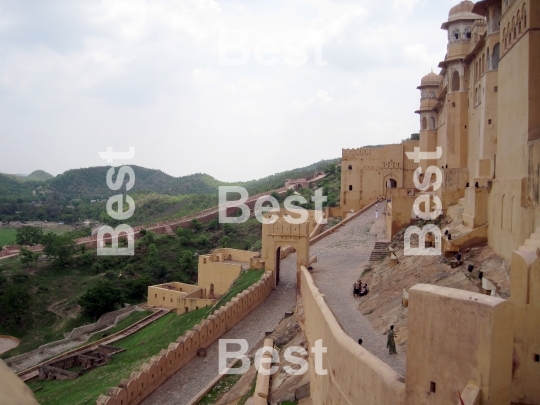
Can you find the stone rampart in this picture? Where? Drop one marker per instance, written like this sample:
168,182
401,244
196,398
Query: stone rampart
154,372
354,375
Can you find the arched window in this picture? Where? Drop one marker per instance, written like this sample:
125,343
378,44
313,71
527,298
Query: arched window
424,123
509,28
488,62
431,122
456,85
514,28
496,21
524,17
350,167
483,63
496,56
505,39
519,22
467,33
455,34
350,188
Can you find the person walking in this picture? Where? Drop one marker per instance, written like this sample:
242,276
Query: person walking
391,343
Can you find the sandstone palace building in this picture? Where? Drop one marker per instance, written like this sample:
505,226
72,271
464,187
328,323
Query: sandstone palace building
483,111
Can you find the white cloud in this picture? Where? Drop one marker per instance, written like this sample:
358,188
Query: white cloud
406,5
146,73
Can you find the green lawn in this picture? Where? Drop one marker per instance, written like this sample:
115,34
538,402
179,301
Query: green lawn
7,236
135,316
139,348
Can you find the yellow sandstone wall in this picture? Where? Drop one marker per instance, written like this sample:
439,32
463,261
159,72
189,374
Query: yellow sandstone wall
221,275
141,383
164,297
456,337
525,294
355,376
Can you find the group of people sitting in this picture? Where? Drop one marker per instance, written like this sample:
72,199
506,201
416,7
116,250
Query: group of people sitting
359,289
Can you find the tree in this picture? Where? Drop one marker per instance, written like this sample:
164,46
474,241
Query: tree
58,248
100,299
331,169
196,225
14,303
153,254
27,256
213,225
29,235
224,241
186,263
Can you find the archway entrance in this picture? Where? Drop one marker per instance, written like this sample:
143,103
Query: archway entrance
281,234
278,263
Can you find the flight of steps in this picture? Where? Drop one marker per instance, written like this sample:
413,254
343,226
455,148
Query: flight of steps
457,230
531,244
380,251
168,230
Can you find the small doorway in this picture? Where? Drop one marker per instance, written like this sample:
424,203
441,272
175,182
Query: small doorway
278,263
211,294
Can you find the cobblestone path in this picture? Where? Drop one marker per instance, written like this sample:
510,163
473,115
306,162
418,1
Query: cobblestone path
188,381
341,257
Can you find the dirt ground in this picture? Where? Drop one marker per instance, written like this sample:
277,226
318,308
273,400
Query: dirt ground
7,343
383,305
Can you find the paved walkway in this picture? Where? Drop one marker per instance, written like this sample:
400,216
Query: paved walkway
198,373
341,257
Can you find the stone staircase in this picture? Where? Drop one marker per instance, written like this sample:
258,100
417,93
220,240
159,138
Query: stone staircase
457,230
531,244
380,251
168,230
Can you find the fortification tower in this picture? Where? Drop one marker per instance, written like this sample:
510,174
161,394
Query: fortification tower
429,87
454,135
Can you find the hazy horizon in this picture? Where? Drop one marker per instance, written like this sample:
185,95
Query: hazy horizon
80,77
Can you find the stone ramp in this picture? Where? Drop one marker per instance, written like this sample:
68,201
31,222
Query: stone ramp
185,384
341,258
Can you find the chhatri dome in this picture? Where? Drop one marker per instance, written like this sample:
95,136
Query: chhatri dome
431,79
463,11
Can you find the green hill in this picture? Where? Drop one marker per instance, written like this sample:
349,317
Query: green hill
38,175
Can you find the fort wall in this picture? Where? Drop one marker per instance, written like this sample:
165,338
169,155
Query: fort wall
141,383
355,376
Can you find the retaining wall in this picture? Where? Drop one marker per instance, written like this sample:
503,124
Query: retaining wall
153,373
105,322
354,375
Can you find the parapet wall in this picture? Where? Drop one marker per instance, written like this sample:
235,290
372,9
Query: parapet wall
355,376
153,373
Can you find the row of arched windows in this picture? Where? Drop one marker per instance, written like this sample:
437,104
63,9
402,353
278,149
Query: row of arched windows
487,62
516,27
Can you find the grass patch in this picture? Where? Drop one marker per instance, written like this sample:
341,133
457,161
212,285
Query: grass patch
7,236
218,390
134,317
250,393
139,348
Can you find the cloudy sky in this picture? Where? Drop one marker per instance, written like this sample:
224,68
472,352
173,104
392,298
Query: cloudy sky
236,89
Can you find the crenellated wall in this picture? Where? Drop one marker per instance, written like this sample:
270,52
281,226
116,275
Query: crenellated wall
156,370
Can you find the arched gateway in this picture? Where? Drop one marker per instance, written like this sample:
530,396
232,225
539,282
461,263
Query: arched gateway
281,234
